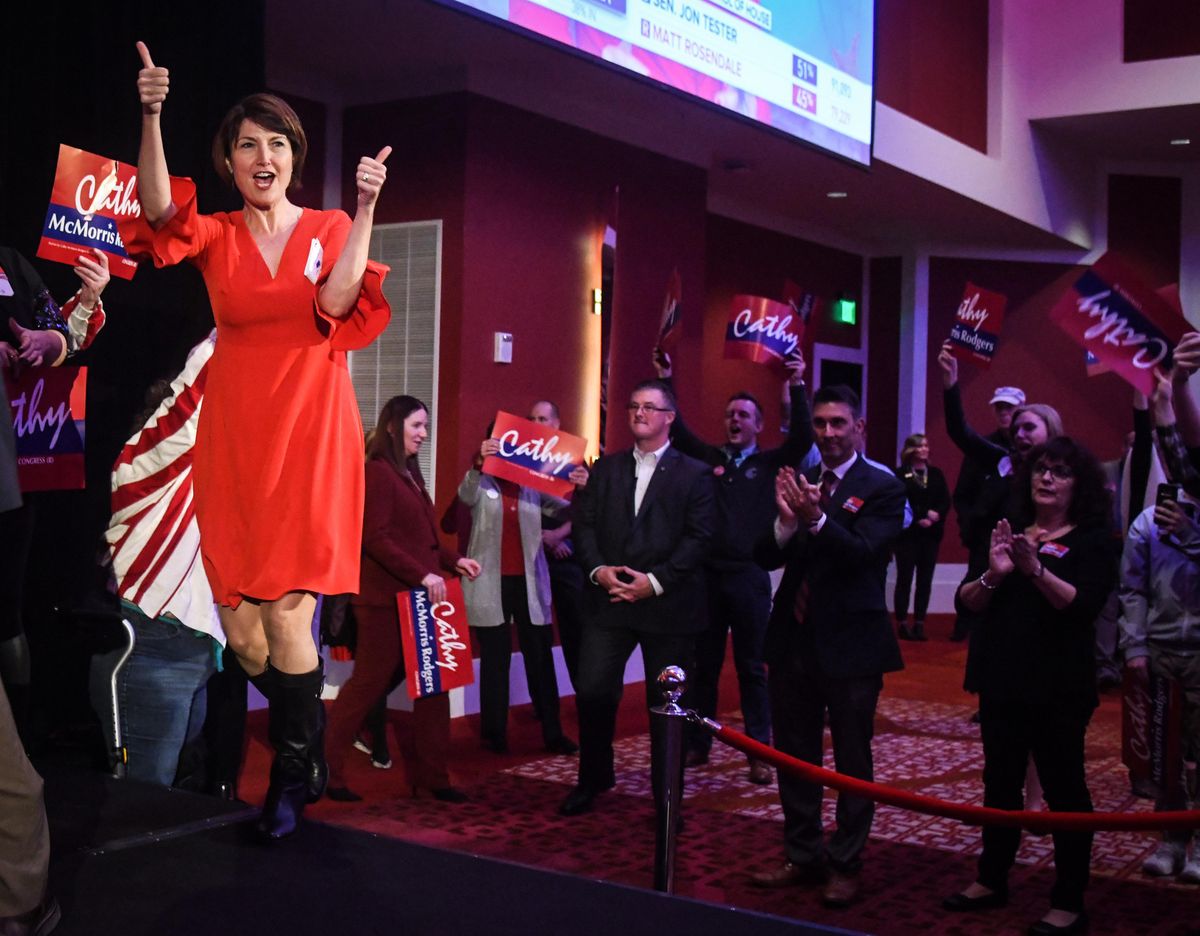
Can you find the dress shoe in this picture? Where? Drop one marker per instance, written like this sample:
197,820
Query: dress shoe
579,800
1042,928
904,633
791,875
341,794
961,903
841,890
562,745
918,632
761,773
495,745
695,758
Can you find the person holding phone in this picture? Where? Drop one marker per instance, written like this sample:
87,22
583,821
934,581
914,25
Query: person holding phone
278,466
1049,572
400,550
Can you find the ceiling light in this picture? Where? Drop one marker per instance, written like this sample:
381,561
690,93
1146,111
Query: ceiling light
1181,141
835,195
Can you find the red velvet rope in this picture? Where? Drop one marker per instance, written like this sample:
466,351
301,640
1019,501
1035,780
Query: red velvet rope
970,815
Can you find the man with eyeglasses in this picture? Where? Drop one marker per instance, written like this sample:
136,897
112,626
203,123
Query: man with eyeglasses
641,528
738,589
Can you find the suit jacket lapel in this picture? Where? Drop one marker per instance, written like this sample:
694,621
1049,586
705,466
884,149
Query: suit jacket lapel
658,482
849,486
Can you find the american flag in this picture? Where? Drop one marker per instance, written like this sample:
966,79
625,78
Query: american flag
153,539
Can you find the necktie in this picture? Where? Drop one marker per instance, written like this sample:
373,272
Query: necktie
829,482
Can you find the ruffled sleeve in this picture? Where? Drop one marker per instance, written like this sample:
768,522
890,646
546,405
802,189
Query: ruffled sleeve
369,315
186,236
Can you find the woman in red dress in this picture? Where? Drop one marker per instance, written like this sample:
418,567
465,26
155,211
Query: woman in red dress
278,474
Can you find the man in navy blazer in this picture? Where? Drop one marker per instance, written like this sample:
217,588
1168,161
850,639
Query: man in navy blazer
642,528
829,640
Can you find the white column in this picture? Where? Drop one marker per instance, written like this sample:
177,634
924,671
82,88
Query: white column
914,344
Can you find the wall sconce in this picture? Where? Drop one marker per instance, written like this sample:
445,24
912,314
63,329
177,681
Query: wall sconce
597,301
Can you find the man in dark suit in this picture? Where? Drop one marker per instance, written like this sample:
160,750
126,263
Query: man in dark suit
829,641
642,527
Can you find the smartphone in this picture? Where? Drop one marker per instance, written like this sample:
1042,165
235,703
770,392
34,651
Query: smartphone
1166,492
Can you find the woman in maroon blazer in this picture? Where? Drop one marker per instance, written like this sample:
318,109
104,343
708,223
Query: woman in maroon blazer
401,550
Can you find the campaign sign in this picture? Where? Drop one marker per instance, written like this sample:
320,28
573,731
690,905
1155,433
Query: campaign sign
977,324
1125,324
437,643
534,455
48,410
90,193
762,330
1151,734
670,326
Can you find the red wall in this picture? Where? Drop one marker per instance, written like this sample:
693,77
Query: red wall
1033,354
931,61
1159,29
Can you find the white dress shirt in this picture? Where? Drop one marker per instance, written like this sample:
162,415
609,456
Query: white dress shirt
785,531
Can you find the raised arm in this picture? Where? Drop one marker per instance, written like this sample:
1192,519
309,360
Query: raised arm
340,291
154,182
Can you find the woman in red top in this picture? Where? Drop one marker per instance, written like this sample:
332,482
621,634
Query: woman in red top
401,550
278,469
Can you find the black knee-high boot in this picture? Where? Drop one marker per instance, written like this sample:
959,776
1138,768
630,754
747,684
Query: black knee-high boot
296,724
318,770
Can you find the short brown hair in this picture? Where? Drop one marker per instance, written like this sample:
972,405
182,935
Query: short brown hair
266,110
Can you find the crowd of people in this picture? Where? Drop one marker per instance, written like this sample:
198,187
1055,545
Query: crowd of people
666,547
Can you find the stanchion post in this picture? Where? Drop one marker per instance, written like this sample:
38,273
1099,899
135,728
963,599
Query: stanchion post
667,723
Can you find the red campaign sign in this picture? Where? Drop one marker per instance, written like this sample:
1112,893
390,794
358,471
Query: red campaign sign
670,326
1151,732
977,324
1128,327
534,455
762,330
49,405
90,193
437,643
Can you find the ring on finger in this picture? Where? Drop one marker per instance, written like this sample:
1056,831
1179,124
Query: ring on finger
365,177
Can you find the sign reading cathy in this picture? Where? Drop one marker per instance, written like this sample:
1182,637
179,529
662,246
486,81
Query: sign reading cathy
1151,709
437,644
48,409
762,330
534,455
977,324
1126,325
90,193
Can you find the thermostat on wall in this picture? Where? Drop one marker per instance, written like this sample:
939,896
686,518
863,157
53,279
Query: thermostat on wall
502,353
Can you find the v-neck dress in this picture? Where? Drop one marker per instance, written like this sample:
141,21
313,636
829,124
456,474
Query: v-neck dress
279,449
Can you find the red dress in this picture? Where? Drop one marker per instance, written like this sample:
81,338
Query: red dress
279,448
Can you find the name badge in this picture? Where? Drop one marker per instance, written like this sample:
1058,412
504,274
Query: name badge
5,286
853,504
312,266
1057,550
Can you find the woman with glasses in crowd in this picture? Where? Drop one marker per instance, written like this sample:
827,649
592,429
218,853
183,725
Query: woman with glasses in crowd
1049,573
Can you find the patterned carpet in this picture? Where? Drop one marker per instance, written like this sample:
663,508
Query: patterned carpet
733,827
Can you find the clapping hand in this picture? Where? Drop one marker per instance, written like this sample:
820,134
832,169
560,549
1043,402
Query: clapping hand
1000,559
1025,554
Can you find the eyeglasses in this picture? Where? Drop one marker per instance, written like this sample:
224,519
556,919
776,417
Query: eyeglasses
646,408
1057,472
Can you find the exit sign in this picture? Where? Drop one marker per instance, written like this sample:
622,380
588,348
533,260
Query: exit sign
845,311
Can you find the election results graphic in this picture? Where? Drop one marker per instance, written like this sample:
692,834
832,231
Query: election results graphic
437,643
804,67
90,192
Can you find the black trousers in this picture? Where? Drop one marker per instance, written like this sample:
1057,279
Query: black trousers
739,601
1011,733
566,589
16,542
800,698
495,658
915,554
603,654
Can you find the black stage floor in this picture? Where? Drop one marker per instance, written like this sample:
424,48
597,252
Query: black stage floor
135,859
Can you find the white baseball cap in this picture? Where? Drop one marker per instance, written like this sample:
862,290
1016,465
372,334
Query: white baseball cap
1013,395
